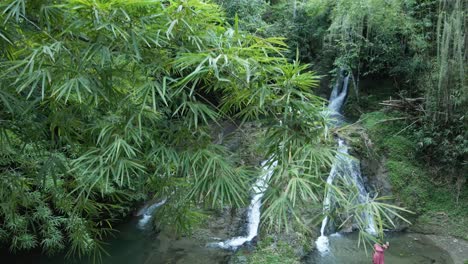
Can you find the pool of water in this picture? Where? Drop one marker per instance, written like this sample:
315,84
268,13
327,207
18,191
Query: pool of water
405,248
135,246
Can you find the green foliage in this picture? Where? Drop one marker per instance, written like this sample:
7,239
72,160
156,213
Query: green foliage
302,24
408,178
42,211
384,126
428,33
181,218
402,148
418,44
442,136
361,28
103,102
351,209
296,140
269,251
446,94
247,13
410,182
445,146
433,195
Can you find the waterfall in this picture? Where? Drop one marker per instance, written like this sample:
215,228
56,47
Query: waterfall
356,177
336,103
253,212
322,241
344,165
147,213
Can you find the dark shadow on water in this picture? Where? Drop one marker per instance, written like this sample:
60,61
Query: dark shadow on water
135,246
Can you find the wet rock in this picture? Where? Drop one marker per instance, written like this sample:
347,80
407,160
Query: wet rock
221,225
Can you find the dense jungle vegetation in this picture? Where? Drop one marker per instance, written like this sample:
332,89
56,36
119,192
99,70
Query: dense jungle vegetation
107,103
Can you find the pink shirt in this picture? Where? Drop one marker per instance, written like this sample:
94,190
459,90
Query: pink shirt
378,255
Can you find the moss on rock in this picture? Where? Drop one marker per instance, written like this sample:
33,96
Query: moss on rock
386,138
270,250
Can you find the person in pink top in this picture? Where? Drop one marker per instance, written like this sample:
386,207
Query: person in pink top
378,257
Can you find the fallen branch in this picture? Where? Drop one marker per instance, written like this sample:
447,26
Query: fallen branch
405,104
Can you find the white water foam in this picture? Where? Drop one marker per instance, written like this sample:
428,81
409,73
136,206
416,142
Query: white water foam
344,164
253,212
322,242
147,213
337,234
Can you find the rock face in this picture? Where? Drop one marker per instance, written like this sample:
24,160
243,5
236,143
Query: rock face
221,225
376,175
374,171
457,248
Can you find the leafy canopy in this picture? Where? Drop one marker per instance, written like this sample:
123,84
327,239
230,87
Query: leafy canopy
105,101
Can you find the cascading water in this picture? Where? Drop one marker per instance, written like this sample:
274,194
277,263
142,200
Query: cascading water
337,97
253,212
344,165
322,241
147,213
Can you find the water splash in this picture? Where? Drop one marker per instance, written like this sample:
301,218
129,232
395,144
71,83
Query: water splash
253,212
323,245
147,213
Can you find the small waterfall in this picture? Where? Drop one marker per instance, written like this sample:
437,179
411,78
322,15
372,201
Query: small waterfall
253,212
339,92
355,173
147,213
322,241
343,165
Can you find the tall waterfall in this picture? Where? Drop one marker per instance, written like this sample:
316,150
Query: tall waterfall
253,212
147,213
344,165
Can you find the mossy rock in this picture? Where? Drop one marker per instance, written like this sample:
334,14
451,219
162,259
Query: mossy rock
269,250
435,205
399,148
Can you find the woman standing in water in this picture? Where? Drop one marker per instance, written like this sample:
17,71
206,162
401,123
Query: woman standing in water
378,257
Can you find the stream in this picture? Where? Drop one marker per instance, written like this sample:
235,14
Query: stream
136,246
